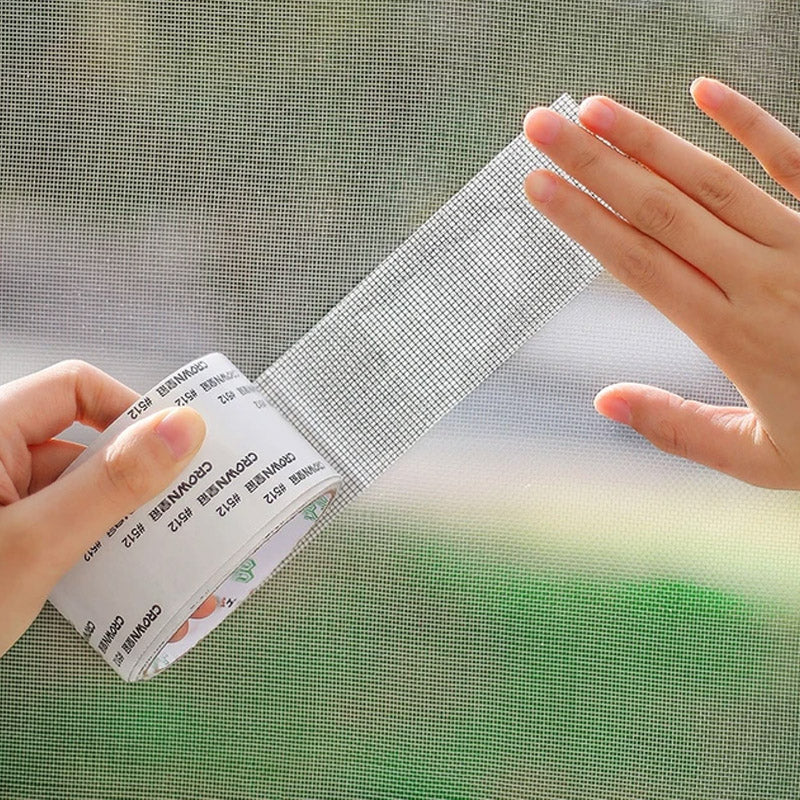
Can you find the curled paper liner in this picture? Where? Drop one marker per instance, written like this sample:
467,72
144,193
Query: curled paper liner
168,573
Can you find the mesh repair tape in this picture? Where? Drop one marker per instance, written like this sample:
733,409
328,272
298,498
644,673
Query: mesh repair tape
407,344
423,330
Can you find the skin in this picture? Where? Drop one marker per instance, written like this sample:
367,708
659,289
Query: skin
47,521
713,252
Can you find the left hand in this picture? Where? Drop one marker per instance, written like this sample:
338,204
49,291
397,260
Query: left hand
47,520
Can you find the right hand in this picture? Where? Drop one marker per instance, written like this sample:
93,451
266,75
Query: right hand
710,250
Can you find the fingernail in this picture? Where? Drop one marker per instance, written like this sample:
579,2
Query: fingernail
542,125
182,431
539,186
708,93
596,114
615,408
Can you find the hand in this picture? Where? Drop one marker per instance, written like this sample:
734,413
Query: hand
714,253
47,522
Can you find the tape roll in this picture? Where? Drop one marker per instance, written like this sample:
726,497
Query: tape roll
168,573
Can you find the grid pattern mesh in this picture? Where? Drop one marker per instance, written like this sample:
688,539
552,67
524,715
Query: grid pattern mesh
529,603
431,322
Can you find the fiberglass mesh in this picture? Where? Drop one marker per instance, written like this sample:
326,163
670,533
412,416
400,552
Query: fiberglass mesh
530,602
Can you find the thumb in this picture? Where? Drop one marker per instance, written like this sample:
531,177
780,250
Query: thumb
62,520
727,439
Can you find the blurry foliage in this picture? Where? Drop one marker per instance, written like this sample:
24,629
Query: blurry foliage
395,661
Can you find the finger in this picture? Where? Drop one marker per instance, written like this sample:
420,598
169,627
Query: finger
47,402
63,519
726,439
680,292
706,179
649,203
773,144
49,460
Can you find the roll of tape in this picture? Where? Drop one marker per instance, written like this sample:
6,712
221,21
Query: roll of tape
168,573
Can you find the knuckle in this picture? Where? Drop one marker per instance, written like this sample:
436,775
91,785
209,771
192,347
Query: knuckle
785,165
655,214
669,437
75,368
636,267
127,472
715,190
82,378
751,120
586,159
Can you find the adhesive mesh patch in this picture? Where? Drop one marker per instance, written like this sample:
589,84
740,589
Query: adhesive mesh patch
530,602
431,322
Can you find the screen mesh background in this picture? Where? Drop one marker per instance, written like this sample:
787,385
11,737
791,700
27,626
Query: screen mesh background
530,603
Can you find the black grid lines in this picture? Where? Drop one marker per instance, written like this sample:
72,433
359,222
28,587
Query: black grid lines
439,315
